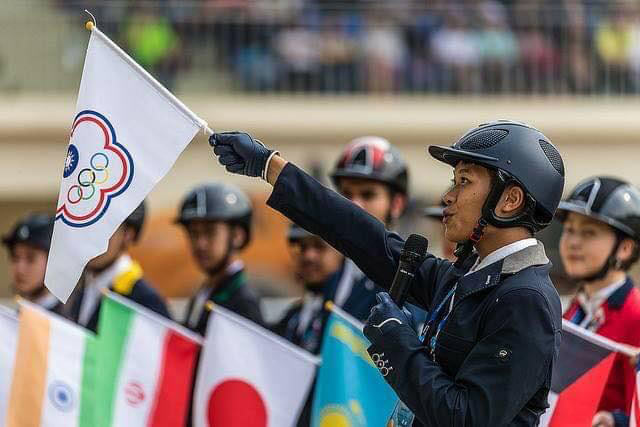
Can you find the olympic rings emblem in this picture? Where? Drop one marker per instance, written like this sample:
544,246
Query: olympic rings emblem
77,191
89,186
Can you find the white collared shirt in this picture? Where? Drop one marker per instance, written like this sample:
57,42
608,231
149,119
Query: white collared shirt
96,283
48,301
591,305
204,293
502,253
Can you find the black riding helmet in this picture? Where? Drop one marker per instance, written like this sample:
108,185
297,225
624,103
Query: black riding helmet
296,233
136,219
374,158
35,229
613,202
519,154
217,202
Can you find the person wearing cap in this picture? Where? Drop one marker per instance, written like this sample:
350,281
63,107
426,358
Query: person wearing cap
28,245
600,241
217,220
372,174
487,351
116,271
319,268
436,212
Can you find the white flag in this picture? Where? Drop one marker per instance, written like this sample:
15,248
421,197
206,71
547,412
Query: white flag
249,376
8,345
126,135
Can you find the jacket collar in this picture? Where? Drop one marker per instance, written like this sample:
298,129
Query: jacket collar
616,300
490,275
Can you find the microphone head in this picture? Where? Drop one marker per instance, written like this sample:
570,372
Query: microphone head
415,247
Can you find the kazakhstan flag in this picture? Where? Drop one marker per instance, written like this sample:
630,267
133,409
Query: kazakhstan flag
350,392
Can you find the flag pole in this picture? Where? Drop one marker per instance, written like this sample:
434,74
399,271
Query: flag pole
93,28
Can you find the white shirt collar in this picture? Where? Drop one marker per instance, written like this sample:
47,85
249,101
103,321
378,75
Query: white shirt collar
48,301
105,278
606,292
95,283
592,305
503,252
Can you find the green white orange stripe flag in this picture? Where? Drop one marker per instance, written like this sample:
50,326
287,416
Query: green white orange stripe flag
146,366
249,376
8,343
52,376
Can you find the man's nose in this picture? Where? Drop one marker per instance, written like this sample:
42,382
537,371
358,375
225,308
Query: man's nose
449,196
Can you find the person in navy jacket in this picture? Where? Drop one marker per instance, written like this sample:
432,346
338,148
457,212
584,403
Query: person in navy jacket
599,243
216,218
372,174
489,346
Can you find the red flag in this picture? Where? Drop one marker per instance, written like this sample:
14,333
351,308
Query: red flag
635,405
579,376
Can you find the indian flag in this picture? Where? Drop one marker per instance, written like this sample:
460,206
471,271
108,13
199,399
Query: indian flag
146,366
52,374
8,342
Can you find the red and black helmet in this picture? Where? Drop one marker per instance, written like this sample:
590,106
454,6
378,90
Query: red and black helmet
374,158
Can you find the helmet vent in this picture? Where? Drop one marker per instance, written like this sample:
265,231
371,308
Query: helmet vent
483,139
553,156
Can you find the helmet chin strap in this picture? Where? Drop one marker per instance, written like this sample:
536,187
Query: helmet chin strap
609,263
464,249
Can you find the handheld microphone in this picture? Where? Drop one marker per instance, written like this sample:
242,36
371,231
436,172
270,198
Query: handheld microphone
413,254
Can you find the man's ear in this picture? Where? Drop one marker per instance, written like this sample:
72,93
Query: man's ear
238,237
398,205
511,202
129,237
625,249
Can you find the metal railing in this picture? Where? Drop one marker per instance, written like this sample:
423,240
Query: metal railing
304,46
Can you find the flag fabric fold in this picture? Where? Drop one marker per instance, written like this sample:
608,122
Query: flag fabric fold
146,366
52,381
349,388
249,376
127,133
635,405
8,344
580,375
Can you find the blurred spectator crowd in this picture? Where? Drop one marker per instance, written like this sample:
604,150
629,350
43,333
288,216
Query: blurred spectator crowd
509,46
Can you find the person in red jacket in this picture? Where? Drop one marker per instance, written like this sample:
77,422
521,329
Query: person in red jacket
600,241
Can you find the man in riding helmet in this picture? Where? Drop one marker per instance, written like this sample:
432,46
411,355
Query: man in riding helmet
488,349
217,220
28,244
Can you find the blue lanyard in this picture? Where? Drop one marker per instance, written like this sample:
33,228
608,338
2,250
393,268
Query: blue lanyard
432,317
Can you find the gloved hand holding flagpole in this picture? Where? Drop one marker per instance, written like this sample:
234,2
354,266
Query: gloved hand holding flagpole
127,133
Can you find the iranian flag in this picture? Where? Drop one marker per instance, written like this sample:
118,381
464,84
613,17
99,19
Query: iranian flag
248,376
8,343
52,376
146,366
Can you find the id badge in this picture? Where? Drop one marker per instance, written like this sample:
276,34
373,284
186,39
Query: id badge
401,416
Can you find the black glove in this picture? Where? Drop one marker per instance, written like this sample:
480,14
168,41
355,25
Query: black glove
240,153
384,317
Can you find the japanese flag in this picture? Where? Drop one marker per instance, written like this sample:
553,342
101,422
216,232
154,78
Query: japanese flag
248,376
